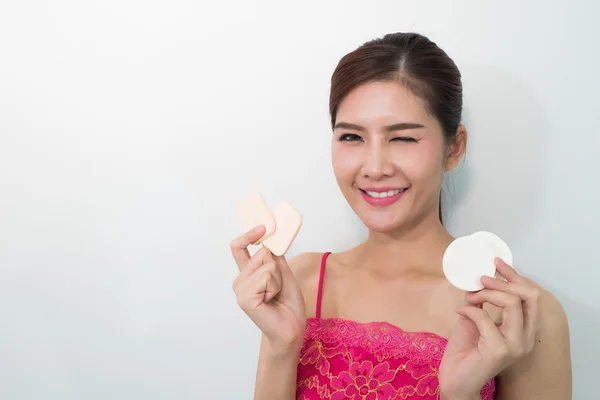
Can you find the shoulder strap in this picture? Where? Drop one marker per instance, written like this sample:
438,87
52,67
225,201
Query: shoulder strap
321,278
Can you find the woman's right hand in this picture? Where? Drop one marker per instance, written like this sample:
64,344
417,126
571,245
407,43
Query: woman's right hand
267,291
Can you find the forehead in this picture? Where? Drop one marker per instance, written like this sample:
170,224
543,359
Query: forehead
377,103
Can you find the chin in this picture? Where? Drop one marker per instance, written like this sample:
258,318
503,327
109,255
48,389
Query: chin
382,223
382,220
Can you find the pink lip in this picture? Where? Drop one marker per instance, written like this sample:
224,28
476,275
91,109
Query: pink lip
381,202
381,189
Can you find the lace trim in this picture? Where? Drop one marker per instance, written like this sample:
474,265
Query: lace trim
381,339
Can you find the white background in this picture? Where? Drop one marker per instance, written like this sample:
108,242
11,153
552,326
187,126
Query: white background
129,129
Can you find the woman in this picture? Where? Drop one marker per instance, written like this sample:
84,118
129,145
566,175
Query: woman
380,321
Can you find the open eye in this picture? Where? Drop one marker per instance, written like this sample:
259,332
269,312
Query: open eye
349,137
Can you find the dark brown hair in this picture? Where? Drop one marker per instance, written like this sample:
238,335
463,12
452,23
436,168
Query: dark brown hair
413,60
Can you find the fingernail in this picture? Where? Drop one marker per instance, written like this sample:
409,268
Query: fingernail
257,229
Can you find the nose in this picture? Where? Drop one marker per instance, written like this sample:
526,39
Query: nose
376,162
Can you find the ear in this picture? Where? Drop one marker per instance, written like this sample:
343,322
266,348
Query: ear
456,148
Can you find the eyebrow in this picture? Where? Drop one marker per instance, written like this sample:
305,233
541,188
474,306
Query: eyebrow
390,128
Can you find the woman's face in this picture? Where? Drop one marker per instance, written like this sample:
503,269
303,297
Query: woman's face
388,156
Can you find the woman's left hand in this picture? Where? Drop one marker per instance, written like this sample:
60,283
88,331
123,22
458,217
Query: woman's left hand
478,349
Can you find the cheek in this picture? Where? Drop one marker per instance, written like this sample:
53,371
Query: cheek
422,162
345,161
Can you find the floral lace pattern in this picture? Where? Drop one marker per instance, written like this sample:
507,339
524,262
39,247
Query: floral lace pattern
344,359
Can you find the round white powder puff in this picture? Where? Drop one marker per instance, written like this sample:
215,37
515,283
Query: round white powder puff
466,260
499,247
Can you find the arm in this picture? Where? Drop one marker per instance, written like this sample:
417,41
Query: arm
276,373
546,372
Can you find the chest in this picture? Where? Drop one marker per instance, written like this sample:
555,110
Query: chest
425,304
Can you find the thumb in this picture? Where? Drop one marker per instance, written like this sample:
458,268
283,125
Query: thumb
282,263
467,302
287,276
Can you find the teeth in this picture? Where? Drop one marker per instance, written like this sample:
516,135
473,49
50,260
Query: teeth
382,195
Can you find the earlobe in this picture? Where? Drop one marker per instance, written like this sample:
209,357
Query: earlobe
450,163
456,149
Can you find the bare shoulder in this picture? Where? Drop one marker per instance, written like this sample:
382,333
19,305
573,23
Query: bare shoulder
553,325
306,267
550,359
552,315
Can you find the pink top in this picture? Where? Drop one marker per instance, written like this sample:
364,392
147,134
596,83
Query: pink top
344,359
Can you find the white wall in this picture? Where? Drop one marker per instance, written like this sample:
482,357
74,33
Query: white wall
129,130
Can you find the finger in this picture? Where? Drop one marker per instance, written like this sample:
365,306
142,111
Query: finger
487,328
259,287
506,271
524,291
470,303
269,278
529,295
286,271
512,311
277,283
239,245
260,258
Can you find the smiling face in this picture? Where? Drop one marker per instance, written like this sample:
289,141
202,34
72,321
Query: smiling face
389,156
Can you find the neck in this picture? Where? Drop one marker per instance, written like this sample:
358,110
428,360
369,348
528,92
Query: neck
414,249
